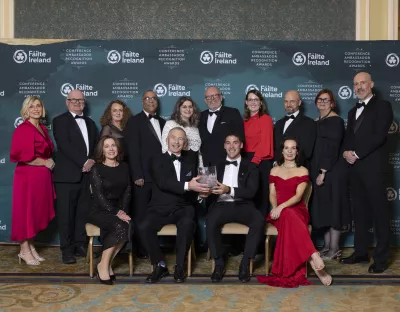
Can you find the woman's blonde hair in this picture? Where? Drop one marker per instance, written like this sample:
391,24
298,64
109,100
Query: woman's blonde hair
28,102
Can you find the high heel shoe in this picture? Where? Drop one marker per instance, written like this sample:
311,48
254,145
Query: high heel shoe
336,255
112,277
39,258
104,282
28,262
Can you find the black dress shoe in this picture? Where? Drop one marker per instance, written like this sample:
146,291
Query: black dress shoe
104,282
81,251
244,273
374,268
68,258
353,259
112,277
179,274
218,274
158,273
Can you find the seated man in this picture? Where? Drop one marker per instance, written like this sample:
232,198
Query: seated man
171,203
234,203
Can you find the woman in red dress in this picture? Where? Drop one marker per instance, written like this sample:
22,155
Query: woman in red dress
289,214
259,143
33,192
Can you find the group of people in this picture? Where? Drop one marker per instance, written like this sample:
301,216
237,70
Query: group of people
141,173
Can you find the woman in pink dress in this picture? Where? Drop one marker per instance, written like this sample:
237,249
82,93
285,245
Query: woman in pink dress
289,214
33,192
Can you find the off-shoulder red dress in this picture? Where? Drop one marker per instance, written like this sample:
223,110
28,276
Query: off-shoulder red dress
33,191
294,245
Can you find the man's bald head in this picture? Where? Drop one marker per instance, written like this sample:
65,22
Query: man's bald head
363,85
292,101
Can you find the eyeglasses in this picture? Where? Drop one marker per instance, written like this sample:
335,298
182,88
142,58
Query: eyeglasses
212,96
76,101
323,100
255,100
148,98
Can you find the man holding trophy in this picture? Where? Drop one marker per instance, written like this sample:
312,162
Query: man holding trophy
232,201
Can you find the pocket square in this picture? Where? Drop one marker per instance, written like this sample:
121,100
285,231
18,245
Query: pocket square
189,174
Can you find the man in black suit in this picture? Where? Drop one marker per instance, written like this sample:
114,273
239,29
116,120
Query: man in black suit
173,176
233,202
215,124
365,150
296,125
76,137
142,136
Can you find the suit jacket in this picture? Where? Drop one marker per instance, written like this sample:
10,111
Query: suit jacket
248,182
228,121
71,152
302,128
142,143
168,193
367,136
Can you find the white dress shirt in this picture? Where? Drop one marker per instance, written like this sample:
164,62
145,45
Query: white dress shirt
156,125
177,165
211,119
230,179
82,126
289,121
361,109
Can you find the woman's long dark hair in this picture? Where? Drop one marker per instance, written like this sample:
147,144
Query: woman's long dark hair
176,114
298,159
99,157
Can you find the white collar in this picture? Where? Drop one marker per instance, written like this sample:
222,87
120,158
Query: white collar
294,114
73,114
170,153
147,114
366,100
216,110
237,159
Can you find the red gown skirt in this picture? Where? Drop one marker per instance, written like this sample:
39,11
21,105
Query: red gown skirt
294,245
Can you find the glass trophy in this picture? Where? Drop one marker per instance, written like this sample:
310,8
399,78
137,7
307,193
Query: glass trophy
208,175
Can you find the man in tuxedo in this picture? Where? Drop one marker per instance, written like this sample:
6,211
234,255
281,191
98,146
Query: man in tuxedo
296,125
365,150
233,202
174,180
215,124
142,136
76,136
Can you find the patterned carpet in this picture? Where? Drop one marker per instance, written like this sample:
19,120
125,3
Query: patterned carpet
56,287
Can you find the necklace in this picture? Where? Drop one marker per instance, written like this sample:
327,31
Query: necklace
288,167
322,118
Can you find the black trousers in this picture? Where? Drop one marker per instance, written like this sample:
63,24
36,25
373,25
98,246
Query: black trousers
153,222
72,208
368,195
139,204
227,212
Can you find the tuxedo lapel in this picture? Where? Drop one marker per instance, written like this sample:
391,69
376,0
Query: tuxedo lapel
293,124
365,113
75,126
147,121
218,119
170,165
220,172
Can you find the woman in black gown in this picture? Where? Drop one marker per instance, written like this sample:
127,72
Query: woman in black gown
114,120
111,192
329,209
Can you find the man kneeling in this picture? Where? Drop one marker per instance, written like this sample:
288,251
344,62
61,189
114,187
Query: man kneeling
174,184
233,202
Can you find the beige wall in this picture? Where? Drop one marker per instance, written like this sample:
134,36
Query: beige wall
6,18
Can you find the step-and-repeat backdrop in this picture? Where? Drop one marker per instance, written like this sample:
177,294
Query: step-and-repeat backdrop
124,69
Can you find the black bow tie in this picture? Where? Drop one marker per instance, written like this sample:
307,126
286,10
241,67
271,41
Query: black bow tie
178,158
359,105
77,117
153,116
211,113
227,163
289,117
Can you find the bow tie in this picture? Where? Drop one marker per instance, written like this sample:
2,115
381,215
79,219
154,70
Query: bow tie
227,163
359,105
153,116
77,117
211,113
289,117
178,158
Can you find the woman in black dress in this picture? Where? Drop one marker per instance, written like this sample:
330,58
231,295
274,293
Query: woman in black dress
329,210
114,120
111,192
